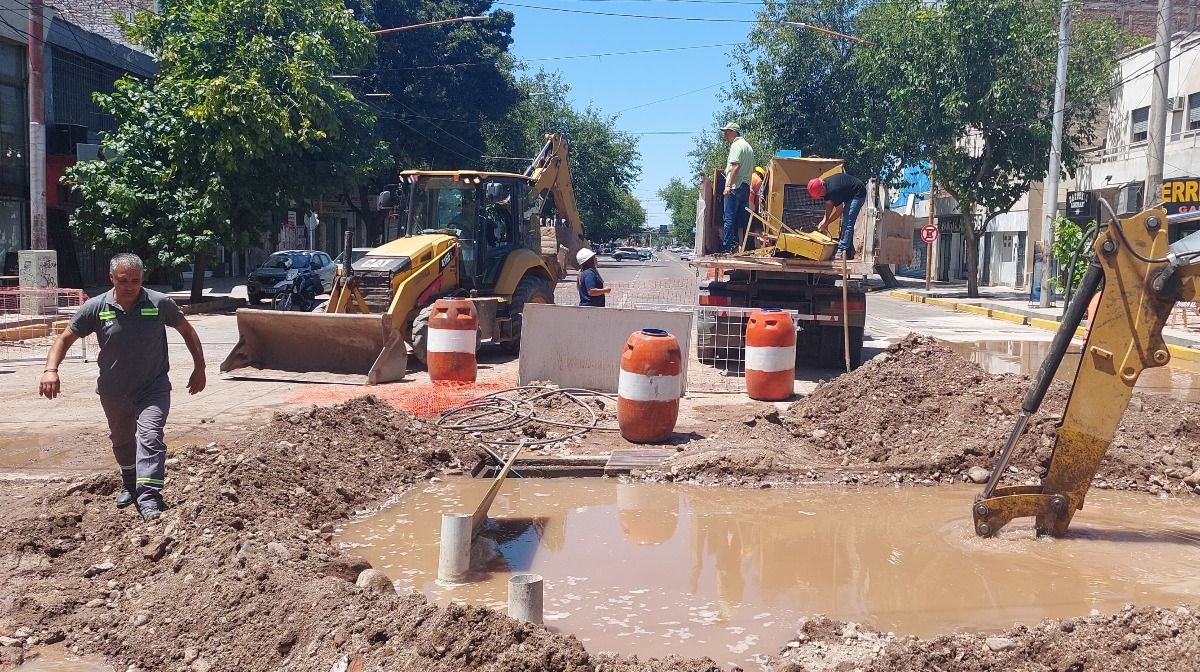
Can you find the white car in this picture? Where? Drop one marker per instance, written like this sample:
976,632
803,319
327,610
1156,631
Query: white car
685,255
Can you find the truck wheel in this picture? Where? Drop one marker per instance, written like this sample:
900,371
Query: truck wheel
831,348
254,298
420,335
531,289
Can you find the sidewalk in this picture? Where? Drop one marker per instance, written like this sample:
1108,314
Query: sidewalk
1013,305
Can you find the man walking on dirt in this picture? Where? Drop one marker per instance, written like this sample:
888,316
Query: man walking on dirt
130,323
738,168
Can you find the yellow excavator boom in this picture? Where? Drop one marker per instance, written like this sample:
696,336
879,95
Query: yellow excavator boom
1144,275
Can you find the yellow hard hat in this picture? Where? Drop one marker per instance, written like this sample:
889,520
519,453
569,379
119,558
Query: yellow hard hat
760,171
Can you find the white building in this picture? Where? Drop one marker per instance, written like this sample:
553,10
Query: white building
1116,170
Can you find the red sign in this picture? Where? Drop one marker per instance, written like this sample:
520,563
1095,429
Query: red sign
929,233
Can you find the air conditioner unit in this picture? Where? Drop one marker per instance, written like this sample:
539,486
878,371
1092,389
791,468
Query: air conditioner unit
1129,199
1177,103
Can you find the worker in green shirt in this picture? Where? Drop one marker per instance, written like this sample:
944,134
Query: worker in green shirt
738,168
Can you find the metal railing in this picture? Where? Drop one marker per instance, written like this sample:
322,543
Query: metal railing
31,318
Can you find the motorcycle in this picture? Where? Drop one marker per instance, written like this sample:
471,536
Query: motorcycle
298,291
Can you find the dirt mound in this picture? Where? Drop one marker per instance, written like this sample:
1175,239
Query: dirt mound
921,412
240,573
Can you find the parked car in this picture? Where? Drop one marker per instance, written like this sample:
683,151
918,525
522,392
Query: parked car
686,255
261,282
623,253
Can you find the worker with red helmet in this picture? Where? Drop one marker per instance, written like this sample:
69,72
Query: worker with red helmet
844,196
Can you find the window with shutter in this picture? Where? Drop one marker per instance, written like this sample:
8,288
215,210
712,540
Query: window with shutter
1140,124
1193,110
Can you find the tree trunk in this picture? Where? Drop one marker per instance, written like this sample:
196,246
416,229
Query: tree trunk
972,261
198,267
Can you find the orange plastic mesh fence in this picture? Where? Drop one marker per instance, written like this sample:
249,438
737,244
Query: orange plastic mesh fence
420,399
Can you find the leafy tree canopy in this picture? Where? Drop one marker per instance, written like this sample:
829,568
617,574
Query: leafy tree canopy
241,121
605,162
680,201
969,85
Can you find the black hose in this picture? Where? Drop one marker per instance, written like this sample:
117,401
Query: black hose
1076,309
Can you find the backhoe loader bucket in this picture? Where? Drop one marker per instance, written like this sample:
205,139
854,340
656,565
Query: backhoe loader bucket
316,347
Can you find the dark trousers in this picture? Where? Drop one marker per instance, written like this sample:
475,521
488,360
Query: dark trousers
735,215
849,217
136,425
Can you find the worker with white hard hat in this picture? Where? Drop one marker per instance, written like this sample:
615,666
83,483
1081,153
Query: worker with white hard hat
590,284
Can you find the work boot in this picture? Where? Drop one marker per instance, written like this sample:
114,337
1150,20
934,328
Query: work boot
124,498
151,508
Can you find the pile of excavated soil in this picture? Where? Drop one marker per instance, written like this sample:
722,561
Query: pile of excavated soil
921,412
240,573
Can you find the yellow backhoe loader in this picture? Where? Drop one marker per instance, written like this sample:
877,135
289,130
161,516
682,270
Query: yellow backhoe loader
1144,274
500,239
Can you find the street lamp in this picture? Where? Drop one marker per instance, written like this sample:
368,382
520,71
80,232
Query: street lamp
825,31
461,19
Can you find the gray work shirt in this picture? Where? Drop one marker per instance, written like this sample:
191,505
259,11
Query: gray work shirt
133,345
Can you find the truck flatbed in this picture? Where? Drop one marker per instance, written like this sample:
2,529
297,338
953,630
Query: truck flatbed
854,267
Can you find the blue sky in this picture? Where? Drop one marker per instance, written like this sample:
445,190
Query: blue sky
632,85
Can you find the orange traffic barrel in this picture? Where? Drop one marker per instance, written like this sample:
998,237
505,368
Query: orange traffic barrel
451,351
649,387
770,355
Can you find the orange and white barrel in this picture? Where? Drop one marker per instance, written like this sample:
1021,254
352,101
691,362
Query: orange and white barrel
770,355
649,386
450,349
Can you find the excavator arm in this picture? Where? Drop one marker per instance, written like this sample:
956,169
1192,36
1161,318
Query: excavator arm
1144,276
550,176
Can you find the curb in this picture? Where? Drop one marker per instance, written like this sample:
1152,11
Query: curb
1180,352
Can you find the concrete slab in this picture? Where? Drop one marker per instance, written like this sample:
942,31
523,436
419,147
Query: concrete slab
573,346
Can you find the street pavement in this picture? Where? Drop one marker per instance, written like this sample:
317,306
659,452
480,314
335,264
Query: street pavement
48,438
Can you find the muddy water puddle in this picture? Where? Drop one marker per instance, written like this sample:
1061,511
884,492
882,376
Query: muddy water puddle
58,659
655,569
1180,380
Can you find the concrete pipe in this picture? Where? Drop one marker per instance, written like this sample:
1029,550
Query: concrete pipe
525,598
454,548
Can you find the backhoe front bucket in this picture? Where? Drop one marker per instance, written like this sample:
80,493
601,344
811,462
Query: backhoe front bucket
345,348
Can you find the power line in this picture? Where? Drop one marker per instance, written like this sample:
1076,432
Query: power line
558,58
663,100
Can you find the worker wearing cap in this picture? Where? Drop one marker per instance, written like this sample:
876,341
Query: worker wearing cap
844,196
590,284
738,168
130,323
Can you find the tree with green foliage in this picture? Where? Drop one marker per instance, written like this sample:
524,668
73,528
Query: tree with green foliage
969,85
800,89
241,122
680,201
605,162
442,85
1067,236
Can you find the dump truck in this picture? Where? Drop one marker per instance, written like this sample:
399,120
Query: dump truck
502,240
783,262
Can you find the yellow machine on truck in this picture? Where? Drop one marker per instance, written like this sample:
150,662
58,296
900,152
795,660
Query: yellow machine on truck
473,234
1144,274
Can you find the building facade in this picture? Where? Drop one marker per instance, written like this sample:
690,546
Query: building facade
79,61
1116,170
1140,17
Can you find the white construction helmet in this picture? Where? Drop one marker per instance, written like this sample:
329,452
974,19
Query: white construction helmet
583,256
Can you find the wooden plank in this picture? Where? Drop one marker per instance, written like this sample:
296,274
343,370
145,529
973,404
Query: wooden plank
480,515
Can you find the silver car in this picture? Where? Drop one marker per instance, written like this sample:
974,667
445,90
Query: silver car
260,284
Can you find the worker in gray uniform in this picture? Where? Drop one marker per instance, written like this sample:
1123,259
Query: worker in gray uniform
130,323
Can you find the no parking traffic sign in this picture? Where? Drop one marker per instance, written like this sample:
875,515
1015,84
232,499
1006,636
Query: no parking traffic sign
929,233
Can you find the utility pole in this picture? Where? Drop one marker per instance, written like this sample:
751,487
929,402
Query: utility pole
39,239
1156,144
929,246
1060,102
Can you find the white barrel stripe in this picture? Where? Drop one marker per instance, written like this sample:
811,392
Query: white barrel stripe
638,387
451,340
770,359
